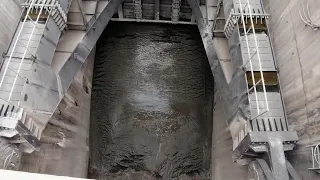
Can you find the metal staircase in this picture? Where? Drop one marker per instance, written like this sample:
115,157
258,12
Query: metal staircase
41,24
259,128
16,125
14,75
219,20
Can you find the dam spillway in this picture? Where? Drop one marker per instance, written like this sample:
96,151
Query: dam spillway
151,113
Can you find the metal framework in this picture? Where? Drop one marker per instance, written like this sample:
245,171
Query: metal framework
256,51
218,20
315,156
266,131
35,23
306,17
38,100
15,121
26,43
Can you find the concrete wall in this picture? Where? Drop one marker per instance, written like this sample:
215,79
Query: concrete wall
10,12
222,165
64,142
297,51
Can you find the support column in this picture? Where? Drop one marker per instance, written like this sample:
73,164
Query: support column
156,9
206,34
175,10
137,9
277,159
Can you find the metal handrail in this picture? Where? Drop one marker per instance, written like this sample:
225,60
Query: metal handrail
251,56
315,156
250,62
259,59
15,43
26,49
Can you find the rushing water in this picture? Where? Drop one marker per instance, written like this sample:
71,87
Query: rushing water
151,111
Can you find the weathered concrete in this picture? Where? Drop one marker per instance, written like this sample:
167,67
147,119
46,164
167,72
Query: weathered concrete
151,104
5,174
296,48
222,165
65,149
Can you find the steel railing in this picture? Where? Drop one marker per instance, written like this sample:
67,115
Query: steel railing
257,53
38,9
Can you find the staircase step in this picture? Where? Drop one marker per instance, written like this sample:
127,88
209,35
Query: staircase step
218,33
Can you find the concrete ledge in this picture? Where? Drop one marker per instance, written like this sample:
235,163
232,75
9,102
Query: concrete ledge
18,175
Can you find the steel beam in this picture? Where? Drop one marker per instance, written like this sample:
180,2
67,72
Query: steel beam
152,21
80,54
216,48
64,76
206,34
82,12
96,9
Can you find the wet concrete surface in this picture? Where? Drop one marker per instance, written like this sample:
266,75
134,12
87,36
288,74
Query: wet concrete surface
152,98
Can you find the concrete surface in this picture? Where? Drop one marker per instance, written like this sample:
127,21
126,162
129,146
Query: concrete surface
296,48
65,148
16,175
222,165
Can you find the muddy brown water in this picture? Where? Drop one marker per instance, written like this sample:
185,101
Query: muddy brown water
152,97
